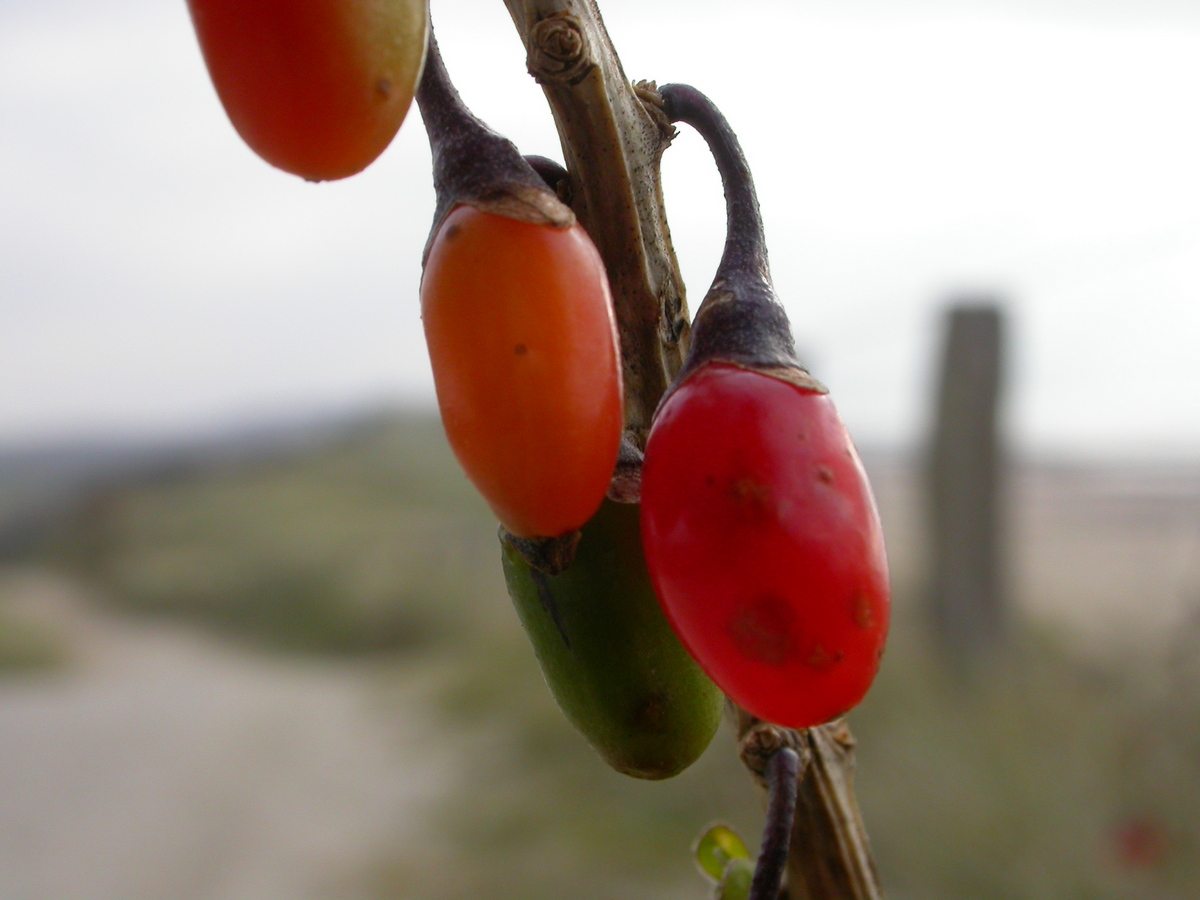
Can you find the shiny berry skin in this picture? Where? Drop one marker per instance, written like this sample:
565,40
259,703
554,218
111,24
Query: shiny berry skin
523,343
317,88
764,544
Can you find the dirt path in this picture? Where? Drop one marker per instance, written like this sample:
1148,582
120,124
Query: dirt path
162,765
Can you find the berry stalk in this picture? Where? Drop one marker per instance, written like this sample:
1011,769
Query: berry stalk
740,320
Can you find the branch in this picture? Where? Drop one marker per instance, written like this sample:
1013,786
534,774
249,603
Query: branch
612,144
830,856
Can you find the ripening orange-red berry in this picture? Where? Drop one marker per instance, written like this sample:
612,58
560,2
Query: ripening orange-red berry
317,88
523,344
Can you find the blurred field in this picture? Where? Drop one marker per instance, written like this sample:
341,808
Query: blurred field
361,566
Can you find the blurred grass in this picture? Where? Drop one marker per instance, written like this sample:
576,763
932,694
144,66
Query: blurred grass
1056,778
1027,785
1060,776
27,646
537,815
368,543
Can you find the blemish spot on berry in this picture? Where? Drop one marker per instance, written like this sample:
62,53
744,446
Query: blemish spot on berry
651,715
750,498
825,474
452,232
747,489
864,613
762,628
822,660
520,350
384,87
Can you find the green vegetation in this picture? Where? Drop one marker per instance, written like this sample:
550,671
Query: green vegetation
27,646
537,815
1058,778
371,542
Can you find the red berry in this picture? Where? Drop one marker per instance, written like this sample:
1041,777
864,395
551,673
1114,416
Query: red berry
764,544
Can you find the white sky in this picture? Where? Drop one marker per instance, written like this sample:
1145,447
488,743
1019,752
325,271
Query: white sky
157,278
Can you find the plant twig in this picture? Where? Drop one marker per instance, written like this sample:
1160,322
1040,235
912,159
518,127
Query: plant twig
829,857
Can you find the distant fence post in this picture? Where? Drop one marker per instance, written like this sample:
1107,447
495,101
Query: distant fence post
965,478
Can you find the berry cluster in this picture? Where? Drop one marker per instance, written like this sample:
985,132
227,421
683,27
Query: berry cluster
757,546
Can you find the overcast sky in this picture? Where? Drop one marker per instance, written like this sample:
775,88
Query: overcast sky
157,278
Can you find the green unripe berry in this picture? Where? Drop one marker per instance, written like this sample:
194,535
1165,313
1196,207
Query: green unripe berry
611,660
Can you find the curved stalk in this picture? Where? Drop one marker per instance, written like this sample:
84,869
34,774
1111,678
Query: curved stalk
473,164
740,321
783,773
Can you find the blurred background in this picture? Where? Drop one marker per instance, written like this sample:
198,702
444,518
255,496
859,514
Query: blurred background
254,641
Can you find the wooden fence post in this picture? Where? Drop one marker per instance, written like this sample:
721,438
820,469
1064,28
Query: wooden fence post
965,487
